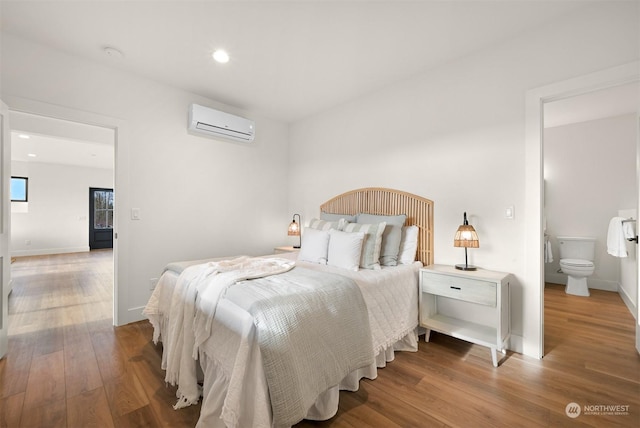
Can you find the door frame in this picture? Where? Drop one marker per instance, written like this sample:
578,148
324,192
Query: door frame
5,227
533,308
121,313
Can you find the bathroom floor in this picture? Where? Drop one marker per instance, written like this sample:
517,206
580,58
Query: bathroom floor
576,327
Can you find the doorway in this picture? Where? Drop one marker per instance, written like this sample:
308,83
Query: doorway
63,159
122,312
589,152
534,275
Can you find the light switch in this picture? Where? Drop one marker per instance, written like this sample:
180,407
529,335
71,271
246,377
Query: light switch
135,213
509,212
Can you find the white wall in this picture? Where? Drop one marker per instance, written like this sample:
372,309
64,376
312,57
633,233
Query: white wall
198,197
590,174
456,135
57,218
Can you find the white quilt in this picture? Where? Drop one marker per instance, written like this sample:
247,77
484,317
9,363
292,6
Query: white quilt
391,295
235,389
202,286
312,330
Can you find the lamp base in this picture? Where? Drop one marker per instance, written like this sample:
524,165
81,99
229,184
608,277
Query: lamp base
466,267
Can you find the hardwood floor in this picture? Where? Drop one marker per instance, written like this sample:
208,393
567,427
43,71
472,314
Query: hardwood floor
68,367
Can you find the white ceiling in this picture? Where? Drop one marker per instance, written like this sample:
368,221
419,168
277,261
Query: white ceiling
614,101
289,59
56,150
60,142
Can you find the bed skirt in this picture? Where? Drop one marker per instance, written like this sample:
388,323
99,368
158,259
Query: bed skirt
254,409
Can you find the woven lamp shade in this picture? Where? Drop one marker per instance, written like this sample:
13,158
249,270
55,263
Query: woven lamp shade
466,237
294,229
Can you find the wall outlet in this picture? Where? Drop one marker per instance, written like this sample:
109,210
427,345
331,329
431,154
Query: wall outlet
152,283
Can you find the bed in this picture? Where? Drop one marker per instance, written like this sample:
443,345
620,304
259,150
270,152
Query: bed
259,365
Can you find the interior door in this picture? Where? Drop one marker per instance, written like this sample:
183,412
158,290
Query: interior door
5,215
101,203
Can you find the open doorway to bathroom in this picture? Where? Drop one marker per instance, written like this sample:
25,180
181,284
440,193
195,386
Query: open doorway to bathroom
590,176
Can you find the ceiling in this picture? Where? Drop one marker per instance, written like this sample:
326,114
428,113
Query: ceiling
56,150
48,140
614,101
289,59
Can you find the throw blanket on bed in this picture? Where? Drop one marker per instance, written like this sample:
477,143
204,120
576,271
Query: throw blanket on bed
202,286
311,336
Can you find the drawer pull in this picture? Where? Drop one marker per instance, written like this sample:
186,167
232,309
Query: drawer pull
455,288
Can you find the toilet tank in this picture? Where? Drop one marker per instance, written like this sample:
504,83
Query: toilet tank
577,247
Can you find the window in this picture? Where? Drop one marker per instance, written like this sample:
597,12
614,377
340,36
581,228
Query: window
19,189
103,209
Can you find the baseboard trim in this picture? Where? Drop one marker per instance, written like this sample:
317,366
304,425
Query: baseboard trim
628,302
596,284
49,251
516,344
133,315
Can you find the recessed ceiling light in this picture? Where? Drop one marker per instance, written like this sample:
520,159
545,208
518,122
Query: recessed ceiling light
24,136
32,155
221,56
112,52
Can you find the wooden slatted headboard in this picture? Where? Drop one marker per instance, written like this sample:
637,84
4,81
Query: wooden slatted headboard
380,201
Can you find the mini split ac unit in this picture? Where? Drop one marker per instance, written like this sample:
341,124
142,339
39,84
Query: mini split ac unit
214,123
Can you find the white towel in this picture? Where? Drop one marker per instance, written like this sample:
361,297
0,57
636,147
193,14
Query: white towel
616,243
548,254
628,230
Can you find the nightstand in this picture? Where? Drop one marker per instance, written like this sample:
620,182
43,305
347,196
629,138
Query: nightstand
470,305
280,250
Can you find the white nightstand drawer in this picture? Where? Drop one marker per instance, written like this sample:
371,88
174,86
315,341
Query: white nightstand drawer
469,290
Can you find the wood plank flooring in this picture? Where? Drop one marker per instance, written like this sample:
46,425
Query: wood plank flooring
69,367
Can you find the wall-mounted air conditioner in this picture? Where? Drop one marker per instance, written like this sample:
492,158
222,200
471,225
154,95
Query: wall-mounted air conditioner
214,123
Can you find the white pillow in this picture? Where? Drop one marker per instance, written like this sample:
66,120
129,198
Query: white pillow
314,246
408,245
345,249
370,258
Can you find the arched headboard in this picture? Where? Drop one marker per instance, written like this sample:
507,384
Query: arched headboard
381,201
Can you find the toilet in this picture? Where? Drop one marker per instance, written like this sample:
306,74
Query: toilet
576,260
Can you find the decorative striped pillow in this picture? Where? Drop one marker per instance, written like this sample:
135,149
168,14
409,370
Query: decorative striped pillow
390,238
335,217
370,258
326,225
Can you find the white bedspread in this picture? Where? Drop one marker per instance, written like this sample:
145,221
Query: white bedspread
313,330
391,295
202,286
235,389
